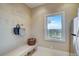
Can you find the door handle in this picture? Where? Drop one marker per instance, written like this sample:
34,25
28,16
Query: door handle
74,34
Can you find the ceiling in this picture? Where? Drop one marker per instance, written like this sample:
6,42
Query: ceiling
32,5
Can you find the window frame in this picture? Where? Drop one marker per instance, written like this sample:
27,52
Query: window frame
63,27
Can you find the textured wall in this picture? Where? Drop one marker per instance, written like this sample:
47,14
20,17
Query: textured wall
10,15
39,13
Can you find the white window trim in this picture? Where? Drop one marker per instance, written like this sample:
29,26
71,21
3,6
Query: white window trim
63,27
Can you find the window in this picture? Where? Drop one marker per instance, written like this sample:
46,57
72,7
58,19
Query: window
55,27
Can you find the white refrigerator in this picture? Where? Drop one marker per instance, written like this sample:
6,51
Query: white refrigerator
76,34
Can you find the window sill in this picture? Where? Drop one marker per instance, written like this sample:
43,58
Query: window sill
56,40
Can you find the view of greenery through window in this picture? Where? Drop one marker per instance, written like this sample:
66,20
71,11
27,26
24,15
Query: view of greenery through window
54,26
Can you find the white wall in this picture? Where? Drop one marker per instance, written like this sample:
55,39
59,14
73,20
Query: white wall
10,15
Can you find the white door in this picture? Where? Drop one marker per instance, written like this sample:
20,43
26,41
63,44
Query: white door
77,39
76,35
